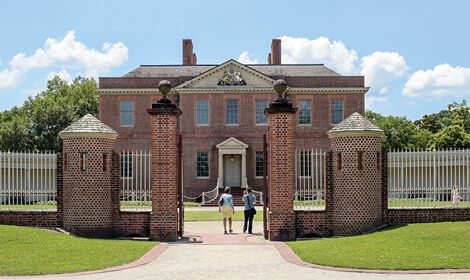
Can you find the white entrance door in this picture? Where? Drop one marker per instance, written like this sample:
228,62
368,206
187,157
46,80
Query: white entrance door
232,174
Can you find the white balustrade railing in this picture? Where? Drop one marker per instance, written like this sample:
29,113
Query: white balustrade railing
205,197
310,176
136,180
28,181
423,179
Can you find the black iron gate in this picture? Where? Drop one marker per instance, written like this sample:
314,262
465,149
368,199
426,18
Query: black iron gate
180,190
266,188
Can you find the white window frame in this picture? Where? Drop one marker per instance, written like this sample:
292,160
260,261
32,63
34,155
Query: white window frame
208,112
226,112
256,111
310,112
331,111
208,165
120,113
258,177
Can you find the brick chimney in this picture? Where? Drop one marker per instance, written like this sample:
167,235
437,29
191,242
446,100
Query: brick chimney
189,58
274,56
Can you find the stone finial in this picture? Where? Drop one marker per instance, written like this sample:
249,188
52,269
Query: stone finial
281,104
355,125
88,127
280,86
164,86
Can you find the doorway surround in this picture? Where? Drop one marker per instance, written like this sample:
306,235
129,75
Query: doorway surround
231,146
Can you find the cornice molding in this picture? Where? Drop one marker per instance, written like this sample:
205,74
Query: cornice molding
222,90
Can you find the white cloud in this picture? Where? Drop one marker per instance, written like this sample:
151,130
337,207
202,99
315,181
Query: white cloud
372,100
245,58
381,68
9,78
63,74
67,53
443,80
333,54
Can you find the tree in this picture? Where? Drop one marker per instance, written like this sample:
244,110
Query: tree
36,125
400,132
453,136
431,123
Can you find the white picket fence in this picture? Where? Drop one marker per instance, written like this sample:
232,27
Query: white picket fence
310,176
136,180
422,179
28,180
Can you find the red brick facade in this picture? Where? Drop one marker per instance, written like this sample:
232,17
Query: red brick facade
281,174
88,192
357,196
87,203
165,175
140,87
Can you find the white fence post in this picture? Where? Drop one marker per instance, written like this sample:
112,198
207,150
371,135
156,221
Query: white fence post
135,180
309,168
28,180
424,179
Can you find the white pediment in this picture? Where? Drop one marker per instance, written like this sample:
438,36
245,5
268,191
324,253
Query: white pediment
229,76
231,143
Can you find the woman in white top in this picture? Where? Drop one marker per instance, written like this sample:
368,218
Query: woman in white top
227,209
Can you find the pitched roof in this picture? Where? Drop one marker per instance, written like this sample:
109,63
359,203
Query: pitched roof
88,126
298,70
355,123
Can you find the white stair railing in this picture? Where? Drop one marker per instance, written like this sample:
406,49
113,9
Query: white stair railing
205,197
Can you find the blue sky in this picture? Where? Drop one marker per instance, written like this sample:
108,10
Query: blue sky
415,54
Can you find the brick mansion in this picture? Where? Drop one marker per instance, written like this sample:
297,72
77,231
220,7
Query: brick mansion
223,119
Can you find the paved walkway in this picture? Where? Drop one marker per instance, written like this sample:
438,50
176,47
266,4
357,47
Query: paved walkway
212,255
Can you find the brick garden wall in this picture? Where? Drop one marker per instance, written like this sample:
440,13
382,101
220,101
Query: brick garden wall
308,223
31,218
132,224
408,216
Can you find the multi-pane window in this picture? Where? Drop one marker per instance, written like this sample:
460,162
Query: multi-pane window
202,164
261,117
126,165
202,112
259,164
126,113
232,112
305,163
337,111
305,112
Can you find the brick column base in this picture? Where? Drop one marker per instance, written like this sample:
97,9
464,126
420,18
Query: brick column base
281,226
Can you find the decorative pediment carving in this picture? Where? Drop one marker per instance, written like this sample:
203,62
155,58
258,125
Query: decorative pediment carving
231,143
229,76
232,78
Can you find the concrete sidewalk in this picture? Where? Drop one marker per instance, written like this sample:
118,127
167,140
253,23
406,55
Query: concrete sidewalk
236,256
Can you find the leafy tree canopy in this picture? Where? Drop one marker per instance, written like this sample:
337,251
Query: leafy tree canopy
449,128
36,124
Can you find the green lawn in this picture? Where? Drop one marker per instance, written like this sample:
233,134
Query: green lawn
197,216
46,205
414,246
33,251
147,205
422,202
